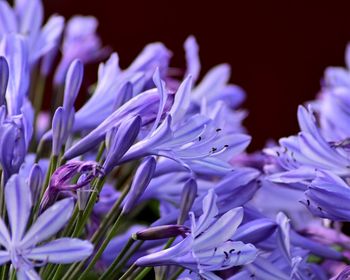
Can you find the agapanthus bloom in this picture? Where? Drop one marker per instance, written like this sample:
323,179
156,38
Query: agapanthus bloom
23,247
209,246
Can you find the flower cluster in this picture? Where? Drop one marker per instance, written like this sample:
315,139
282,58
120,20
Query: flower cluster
150,178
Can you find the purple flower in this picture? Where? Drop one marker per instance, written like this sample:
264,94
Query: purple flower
80,42
15,50
115,86
328,197
20,247
145,105
208,248
26,19
194,141
300,155
61,180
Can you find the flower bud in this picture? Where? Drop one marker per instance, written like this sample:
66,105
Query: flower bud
74,78
161,232
119,140
35,181
141,180
12,148
188,195
4,76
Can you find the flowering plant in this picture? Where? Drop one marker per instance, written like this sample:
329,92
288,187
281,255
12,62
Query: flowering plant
149,177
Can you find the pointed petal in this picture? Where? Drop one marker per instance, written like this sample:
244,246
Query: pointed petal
8,22
192,57
5,238
49,222
163,95
182,100
62,250
221,231
4,257
18,205
210,210
74,78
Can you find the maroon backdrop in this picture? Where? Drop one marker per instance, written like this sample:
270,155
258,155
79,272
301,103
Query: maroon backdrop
278,50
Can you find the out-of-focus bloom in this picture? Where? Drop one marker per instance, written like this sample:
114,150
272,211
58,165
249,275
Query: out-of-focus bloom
26,19
115,86
80,42
328,197
14,48
284,262
61,180
208,248
301,155
21,248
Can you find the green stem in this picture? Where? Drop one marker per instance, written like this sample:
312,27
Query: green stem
89,207
99,252
128,272
111,216
122,264
4,271
107,274
143,273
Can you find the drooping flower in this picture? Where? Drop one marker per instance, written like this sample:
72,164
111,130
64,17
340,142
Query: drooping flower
21,247
209,247
61,180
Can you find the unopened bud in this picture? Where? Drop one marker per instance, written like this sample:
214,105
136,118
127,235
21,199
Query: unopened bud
188,195
161,232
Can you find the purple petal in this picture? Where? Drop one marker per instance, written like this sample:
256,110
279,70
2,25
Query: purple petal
49,222
62,250
8,21
74,78
182,100
18,205
220,231
4,76
192,58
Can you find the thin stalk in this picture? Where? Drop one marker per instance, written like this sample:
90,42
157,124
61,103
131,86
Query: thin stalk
107,274
99,252
146,269
143,273
128,272
5,271
89,207
112,214
122,264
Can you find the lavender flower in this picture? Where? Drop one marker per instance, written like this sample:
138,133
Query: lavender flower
26,19
21,248
80,41
61,180
208,248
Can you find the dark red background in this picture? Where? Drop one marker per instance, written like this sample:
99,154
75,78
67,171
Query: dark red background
278,50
